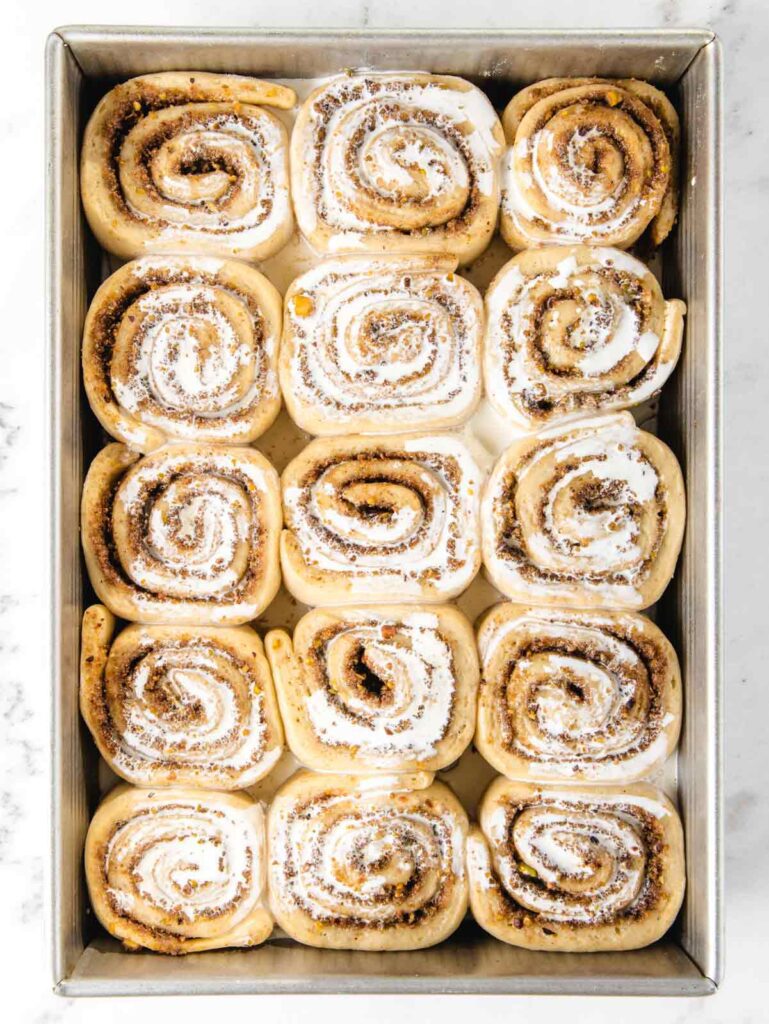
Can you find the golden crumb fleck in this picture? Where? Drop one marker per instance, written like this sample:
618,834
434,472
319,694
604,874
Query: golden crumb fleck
303,305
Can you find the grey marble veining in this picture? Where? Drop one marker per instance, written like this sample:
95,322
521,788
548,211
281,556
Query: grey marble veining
24,745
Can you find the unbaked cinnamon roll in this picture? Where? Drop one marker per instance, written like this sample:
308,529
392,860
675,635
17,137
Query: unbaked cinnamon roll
574,331
186,535
183,348
388,519
576,696
179,706
590,160
373,862
388,687
576,869
589,516
187,161
178,870
380,344
397,162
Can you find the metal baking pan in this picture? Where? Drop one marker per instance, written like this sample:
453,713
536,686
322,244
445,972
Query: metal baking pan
82,63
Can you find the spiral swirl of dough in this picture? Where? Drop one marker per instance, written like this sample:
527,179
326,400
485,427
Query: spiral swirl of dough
574,331
189,162
183,348
590,160
364,689
397,163
369,863
376,344
187,534
168,705
576,695
587,516
387,519
576,869
178,870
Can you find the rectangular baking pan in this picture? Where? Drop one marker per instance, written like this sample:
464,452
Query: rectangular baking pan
82,63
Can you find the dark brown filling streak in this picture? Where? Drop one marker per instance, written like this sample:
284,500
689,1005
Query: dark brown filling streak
327,105
110,315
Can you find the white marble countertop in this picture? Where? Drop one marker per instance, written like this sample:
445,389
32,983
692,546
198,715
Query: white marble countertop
24,746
